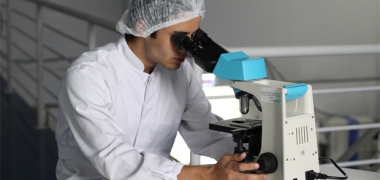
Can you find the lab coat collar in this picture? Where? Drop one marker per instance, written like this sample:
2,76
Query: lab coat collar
129,55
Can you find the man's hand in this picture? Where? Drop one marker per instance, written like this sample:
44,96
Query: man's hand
227,168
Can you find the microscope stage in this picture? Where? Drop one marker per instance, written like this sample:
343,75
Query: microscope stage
234,124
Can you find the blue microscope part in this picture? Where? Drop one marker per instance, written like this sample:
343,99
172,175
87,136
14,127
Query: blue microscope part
236,90
238,66
295,91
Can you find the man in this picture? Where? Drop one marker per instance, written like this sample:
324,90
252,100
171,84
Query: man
122,104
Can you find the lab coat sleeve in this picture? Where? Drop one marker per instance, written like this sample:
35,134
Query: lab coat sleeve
86,100
194,126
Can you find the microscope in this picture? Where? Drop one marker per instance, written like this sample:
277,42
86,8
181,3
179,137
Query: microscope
284,141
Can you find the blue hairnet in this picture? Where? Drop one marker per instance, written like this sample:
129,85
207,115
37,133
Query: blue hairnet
143,17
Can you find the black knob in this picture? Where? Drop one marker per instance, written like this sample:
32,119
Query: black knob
268,163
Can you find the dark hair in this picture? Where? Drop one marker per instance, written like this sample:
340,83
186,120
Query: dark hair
130,37
154,35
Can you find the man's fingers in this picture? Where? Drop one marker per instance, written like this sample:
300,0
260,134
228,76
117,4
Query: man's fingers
232,157
251,177
239,157
239,167
255,176
259,177
229,167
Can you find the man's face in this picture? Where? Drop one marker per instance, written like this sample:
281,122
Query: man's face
161,49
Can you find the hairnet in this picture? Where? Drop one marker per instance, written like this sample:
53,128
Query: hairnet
147,16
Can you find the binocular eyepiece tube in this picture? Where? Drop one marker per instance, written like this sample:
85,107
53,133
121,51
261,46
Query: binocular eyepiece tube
205,51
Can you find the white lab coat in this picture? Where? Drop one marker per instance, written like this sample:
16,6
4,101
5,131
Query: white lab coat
117,122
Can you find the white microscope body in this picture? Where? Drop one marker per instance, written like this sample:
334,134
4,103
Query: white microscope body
288,127
288,120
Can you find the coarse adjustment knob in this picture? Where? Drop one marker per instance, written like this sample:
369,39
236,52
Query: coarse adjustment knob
268,163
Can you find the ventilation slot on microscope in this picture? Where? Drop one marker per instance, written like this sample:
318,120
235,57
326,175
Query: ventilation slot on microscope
302,135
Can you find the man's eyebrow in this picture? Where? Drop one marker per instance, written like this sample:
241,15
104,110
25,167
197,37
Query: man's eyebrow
181,32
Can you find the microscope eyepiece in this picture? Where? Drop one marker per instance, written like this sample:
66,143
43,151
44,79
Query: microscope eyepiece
199,36
204,50
184,43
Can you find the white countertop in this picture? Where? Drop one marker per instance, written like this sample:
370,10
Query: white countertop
353,174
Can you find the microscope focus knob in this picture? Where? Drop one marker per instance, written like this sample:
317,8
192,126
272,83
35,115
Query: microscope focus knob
268,163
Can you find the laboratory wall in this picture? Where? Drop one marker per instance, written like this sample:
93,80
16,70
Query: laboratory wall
107,10
268,23
77,28
72,26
